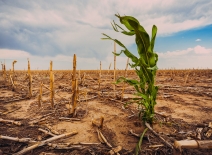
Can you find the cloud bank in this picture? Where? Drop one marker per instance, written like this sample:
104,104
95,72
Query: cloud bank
58,29
196,57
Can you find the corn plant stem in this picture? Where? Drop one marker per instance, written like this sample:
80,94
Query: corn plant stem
52,89
74,71
74,97
2,66
30,80
140,141
13,75
4,75
51,85
99,80
12,82
41,92
79,76
109,69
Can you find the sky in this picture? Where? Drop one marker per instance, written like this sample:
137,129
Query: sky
53,30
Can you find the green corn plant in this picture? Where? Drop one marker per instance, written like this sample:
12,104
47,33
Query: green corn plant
145,64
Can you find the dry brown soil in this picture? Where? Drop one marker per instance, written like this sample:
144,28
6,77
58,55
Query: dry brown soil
184,105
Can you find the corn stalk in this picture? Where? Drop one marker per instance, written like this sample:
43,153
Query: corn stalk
13,75
99,80
145,65
79,76
74,86
11,80
51,85
114,75
4,73
40,95
125,74
30,80
2,66
109,69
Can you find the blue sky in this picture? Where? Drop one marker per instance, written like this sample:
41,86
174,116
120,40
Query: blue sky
55,30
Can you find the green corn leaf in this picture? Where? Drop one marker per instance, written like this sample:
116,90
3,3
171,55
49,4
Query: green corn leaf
106,36
152,59
119,43
152,68
156,57
144,96
119,26
120,79
126,19
135,64
143,63
128,54
132,82
130,33
141,139
117,54
131,56
137,88
154,32
114,27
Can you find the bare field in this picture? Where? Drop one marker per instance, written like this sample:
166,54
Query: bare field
184,106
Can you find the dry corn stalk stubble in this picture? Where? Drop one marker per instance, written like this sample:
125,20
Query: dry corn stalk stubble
11,80
13,75
114,76
30,80
4,74
125,75
51,85
74,86
99,79
40,95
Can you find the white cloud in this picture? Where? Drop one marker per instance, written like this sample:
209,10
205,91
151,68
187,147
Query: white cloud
13,54
196,57
198,40
202,50
51,28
